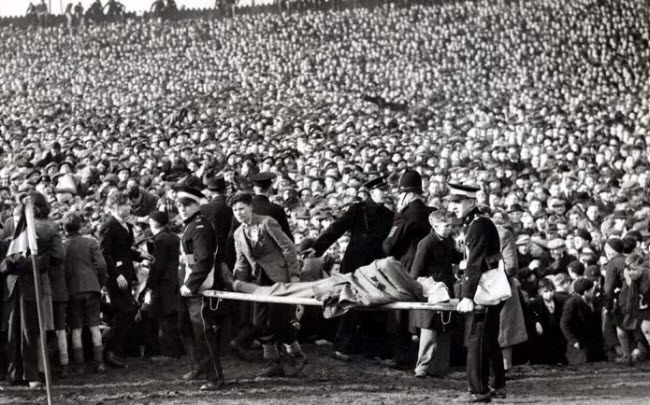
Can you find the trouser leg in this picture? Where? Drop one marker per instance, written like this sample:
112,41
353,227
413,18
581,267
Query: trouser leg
442,355
123,318
205,334
492,322
245,329
478,361
30,346
347,328
372,326
426,350
14,340
169,336
403,337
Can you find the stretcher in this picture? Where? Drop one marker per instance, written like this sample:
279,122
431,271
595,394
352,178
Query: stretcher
226,295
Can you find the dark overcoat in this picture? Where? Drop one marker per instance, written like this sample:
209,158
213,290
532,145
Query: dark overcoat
368,224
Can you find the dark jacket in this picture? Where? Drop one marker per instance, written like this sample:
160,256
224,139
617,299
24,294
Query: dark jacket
146,206
220,215
482,242
613,279
85,266
116,243
582,324
409,227
561,266
163,272
50,253
434,258
262,206
550,346
199,244
368,224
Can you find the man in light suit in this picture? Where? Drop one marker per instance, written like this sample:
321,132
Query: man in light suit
266,255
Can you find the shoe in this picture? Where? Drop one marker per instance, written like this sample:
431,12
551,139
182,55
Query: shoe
341,356
111,359
212,385
192,375
420,374
272,370
498,393
478,398
297,364
239,351
35,385
100,368
627,360
392,363
161,359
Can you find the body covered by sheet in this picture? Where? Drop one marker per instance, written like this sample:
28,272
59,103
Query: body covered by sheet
381,282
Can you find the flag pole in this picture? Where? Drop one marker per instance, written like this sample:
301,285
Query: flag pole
31,230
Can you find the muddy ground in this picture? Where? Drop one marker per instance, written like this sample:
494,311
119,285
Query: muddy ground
326,380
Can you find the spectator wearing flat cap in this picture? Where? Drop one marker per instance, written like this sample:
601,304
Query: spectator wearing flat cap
368,223
581,325
161,291
560,258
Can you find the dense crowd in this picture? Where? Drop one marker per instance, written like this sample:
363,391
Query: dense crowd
544,104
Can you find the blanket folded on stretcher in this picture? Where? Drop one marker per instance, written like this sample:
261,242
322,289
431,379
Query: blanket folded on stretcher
381,282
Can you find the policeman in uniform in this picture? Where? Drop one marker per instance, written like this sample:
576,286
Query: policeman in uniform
482,249
411,224
368,223
198,324
219,214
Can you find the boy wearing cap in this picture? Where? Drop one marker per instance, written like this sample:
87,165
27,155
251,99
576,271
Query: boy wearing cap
162,281
483,249
198,324
581,325
85,271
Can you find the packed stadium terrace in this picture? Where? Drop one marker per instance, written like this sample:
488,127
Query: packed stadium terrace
544,103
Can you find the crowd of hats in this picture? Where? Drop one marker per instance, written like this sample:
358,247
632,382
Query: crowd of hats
545,107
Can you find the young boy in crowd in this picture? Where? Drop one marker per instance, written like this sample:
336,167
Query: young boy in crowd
548,343
582,326
85,270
